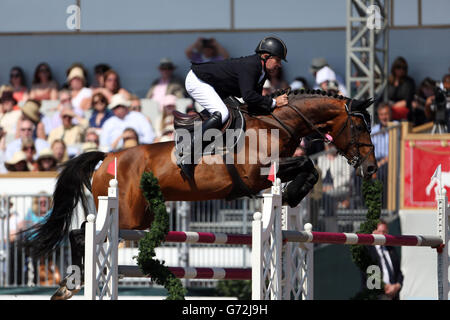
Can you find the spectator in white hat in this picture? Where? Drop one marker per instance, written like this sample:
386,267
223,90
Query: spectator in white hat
81,95
325,75
124,118
318,64
299,83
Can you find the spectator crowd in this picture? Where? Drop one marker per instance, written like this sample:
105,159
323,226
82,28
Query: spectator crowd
47,123
44,123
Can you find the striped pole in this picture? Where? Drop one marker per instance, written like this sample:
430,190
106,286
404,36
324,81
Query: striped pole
359,238
194,273
208,237
193,237
294,236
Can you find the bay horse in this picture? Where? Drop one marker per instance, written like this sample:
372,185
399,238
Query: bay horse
342,120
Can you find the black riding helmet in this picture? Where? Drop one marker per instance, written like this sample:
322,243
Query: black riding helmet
273,46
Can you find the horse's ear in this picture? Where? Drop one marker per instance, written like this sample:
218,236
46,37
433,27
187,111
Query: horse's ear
361,105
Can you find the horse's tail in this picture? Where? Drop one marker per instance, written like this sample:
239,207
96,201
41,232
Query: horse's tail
44,237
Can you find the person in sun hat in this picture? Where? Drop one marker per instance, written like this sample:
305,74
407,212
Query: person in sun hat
69,132
166,84
81,95
18,162
124,118
89,147
31,111
29,149
46,160
317,64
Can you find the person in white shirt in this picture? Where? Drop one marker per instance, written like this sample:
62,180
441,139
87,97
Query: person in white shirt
8,116
124,118
335,185
26,130
81,95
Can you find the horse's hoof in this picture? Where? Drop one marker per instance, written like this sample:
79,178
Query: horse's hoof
62,294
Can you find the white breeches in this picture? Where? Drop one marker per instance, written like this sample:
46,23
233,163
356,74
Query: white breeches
205,95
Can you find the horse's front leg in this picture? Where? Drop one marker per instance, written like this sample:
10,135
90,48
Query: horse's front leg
303,174
70,286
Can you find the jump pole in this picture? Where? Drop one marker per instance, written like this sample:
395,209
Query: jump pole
267,234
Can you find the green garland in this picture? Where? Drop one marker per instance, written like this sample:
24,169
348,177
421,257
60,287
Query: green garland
161,274
372,190
159,229
242,289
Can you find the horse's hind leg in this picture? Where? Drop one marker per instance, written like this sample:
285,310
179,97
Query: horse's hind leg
70,285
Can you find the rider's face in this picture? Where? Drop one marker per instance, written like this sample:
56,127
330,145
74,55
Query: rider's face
273,64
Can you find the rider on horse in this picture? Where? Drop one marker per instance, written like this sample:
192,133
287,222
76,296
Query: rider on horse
208,83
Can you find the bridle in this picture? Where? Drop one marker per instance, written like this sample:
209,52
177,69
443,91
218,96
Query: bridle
357,159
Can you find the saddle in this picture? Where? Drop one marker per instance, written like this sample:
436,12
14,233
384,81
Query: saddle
235,122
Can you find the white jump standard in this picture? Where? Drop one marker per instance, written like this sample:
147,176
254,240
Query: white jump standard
282,258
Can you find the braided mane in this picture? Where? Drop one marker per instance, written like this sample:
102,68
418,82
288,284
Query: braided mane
307,92
358,106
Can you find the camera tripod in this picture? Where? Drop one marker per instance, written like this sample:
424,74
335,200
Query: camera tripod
439,128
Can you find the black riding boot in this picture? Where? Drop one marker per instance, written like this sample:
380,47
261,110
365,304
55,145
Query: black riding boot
188,168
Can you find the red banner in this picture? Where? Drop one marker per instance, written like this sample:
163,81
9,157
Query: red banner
421,159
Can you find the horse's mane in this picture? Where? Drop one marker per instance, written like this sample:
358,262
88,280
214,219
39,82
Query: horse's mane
359,106
306,93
